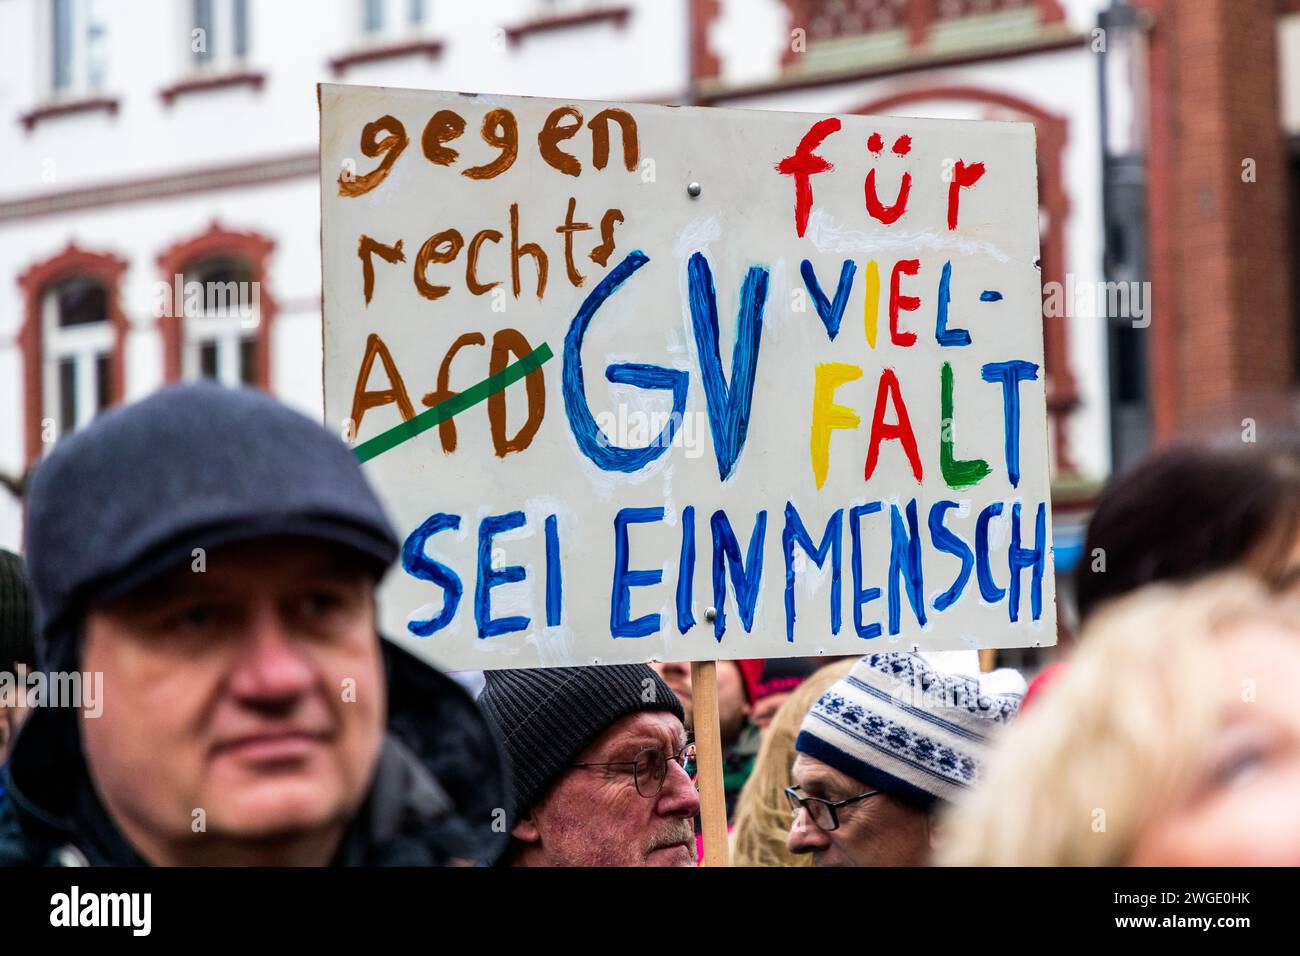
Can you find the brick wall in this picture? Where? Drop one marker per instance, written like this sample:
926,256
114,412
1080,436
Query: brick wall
1222,327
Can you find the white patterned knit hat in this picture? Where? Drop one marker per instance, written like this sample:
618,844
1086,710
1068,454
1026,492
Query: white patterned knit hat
896,724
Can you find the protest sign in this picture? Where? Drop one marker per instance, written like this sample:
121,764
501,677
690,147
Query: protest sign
640,382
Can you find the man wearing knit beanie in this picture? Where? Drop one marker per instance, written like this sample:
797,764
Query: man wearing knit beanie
212,556
886,747
599,759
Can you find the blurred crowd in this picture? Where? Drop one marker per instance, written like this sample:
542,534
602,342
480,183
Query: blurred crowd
251,714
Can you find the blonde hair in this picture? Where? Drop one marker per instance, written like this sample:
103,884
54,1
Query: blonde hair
762,812
1115,742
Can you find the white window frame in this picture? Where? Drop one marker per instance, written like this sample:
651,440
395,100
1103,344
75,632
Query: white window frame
85,344
395,24
221,55
88,34
227,332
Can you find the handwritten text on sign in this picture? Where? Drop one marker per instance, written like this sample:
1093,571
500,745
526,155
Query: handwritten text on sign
611,365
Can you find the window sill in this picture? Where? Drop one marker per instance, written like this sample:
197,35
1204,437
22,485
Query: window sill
215,81
618,16
67,108
430,49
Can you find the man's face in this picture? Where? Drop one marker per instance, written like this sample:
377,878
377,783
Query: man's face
877,831
1243,808
252,691
733,708
594,816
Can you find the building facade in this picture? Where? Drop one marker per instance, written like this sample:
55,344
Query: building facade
148,145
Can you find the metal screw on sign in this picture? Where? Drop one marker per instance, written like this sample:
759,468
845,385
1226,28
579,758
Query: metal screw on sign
710,614
693,190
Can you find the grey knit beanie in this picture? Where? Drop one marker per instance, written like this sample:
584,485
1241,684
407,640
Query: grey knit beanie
546,717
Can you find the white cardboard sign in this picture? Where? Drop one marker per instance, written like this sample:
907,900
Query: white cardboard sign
712,383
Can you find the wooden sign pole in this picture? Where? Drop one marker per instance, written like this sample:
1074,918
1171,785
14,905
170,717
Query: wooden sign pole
708,761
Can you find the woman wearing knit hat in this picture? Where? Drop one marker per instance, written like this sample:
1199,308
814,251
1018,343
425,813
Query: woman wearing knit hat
885,748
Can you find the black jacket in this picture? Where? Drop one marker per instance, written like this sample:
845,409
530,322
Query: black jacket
439,795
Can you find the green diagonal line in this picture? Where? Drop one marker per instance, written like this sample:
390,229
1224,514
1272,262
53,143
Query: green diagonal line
373,447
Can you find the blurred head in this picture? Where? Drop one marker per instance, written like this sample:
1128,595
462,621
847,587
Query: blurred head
734,705
1194,510
771,681
677,675
882,749
227,696
614,810
1172,739
763,812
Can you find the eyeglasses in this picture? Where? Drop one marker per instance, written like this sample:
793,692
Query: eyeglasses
650,767
821,812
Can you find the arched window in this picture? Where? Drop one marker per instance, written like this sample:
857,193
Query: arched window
73,343
218,323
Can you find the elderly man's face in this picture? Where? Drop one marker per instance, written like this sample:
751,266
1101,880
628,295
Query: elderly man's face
594,816
251,691
877,831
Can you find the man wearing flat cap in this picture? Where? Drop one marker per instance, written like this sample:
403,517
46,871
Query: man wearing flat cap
214,556
883,750
601,766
